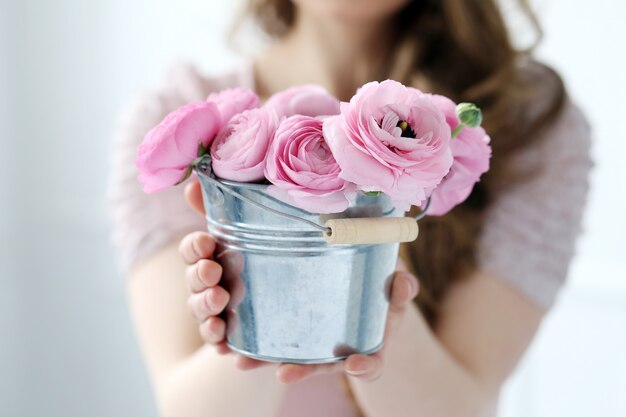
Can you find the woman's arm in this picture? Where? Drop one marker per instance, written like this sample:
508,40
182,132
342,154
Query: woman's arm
484,328
487,320
189,378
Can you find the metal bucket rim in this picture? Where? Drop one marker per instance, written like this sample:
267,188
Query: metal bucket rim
203,169
251,185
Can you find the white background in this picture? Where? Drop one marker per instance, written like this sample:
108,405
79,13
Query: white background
66,69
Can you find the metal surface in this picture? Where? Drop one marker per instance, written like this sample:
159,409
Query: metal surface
204,166
295,298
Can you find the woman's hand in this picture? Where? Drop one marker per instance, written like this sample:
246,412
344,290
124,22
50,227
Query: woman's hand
209,299
366,367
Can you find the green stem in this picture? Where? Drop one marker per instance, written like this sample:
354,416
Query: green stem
457,130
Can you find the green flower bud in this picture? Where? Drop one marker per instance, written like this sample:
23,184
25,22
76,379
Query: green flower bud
469,114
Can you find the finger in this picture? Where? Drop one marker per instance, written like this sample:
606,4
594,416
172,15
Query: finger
213,330
222,348
245,363
403,289
365,367
210,302
203,274
288,373
193,195
196,246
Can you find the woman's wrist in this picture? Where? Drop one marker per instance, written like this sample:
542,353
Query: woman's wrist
418,377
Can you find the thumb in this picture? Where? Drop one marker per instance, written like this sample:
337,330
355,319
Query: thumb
193,195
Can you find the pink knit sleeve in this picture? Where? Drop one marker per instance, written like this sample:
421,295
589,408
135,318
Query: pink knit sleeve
142,223
531,230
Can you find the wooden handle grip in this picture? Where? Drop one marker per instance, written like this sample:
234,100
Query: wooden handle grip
371,230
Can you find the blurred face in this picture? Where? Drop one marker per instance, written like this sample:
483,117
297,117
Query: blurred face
354,10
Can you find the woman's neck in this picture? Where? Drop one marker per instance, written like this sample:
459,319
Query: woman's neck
335,53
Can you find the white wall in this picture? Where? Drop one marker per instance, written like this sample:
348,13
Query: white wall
66,345
68,66
577,366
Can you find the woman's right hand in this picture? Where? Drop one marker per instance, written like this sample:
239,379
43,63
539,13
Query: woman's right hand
203,275
208,299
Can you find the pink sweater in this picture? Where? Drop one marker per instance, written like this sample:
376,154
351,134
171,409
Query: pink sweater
528,240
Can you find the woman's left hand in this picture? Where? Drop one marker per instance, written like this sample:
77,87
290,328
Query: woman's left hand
404,288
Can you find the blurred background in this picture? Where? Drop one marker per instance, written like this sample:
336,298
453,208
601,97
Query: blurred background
67,69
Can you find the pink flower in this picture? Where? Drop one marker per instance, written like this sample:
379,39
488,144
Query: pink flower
238,152
167,151
393,139
233,101
471,152
303,169
307,100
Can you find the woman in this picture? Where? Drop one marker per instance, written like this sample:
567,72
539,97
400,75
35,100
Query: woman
488,271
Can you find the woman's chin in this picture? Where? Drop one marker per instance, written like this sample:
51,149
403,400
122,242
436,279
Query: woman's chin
352,10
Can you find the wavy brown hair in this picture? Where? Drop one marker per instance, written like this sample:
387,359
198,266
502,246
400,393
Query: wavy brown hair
461,49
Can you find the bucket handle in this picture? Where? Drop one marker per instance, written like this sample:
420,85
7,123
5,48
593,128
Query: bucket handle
366,230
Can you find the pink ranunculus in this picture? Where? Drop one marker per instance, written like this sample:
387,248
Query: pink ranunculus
233,101
308,100
471,153
393,139
238,152
303,169
167,151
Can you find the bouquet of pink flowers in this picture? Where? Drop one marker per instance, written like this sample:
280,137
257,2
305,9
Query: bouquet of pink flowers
315,151
301,295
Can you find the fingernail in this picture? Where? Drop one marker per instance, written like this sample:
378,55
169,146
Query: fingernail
202,246
413,288
356,372
196,246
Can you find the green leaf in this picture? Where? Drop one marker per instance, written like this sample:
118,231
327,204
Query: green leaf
372,193
187,174
202,150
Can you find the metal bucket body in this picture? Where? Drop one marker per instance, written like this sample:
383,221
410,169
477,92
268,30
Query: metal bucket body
294,297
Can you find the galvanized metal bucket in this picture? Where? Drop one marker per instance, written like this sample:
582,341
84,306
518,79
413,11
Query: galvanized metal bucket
295,297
